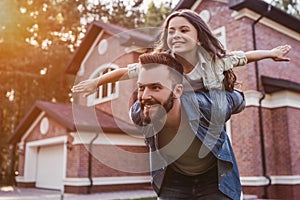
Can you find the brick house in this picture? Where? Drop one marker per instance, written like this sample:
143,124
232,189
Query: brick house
265,136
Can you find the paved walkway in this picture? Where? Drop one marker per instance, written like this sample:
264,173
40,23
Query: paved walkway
9,193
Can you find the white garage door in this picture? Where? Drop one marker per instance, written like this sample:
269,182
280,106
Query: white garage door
50,161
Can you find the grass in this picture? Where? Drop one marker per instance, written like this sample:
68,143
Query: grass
147,198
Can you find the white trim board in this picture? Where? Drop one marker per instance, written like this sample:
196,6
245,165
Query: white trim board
275,180
31,152
48,141
276,100
107,180
196,5
245,12
22,179
107,139
29,130
81,70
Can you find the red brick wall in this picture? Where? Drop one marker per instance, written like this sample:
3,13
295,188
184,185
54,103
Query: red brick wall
258,191
55,130
246,141
77,162
279,158
286,192
293,122
105,160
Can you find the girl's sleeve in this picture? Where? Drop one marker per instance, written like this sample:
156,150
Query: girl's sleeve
235,59
133,70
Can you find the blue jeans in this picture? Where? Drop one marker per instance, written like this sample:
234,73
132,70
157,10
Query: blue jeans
177,186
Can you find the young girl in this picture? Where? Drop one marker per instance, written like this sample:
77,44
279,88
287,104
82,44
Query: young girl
206,63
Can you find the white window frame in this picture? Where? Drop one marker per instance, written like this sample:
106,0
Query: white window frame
93,99
220,33
228,129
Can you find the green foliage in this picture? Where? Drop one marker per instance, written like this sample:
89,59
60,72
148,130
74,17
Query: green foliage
155,15
37,39
290,6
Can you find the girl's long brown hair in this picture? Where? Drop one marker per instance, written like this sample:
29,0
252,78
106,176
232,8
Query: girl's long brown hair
208,41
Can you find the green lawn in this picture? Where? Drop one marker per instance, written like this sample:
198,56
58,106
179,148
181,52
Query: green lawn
150,198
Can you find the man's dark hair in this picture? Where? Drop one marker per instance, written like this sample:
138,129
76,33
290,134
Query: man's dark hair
175,68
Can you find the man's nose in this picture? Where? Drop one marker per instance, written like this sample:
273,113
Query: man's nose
146,93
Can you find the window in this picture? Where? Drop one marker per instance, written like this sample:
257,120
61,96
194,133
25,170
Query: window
107,91
220,33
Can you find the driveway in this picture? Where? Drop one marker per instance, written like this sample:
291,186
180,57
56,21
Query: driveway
10,193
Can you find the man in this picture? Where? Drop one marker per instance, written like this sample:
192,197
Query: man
190,153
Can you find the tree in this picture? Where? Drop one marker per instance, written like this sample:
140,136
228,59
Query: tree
37,39
155,15
290,6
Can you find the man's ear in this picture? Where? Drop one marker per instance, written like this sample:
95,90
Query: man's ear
178,89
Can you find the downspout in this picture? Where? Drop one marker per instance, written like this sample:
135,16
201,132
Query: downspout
90,175
260,116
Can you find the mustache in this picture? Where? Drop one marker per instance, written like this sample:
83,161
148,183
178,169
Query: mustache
148,102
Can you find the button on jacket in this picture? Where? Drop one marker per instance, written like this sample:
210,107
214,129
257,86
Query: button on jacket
206,117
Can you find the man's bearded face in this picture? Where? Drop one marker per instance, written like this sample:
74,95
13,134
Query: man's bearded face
153,110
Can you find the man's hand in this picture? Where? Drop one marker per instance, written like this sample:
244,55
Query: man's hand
280,52
87,87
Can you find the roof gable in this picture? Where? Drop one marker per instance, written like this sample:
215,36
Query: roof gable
126,38
267,11
73,117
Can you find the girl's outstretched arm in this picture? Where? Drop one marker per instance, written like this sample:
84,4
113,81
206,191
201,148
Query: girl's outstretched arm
89,86
277,54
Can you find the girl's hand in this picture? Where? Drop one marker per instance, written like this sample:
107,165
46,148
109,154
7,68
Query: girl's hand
87,87
280,52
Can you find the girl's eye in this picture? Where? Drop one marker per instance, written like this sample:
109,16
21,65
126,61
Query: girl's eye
170,32
184,30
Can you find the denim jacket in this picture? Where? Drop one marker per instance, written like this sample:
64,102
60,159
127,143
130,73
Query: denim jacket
206,119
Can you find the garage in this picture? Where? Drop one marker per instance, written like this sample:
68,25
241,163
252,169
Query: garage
50,167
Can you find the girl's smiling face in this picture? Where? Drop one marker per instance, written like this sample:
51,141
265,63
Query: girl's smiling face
182,36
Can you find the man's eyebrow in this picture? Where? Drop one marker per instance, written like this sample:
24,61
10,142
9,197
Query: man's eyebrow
146,84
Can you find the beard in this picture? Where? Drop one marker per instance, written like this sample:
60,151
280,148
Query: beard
161,111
